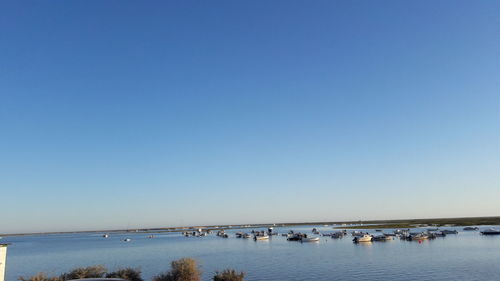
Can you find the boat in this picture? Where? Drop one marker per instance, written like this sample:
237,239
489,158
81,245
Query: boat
382,238
309,239
247,236
447,231
105,235
261,237
439,234
127,239
490,231
296,237
470,228
358,233
419,236
401,231
364,238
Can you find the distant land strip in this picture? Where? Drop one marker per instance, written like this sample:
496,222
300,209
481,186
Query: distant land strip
368,224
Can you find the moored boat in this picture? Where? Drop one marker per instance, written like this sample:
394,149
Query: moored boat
296,237
261,237
490,231
382,238
419,236
470,228
364,238
309,239
439,234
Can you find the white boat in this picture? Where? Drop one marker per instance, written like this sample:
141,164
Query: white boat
490,231
364,238
261,237
127,239
246,235
105,235
420,236
310,239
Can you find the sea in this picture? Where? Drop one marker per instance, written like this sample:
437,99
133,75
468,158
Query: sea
467,255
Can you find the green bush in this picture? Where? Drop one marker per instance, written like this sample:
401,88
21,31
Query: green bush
129,274
185,269
229,275
95,271
39,277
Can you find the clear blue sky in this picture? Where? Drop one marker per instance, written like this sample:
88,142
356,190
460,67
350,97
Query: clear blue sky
117,114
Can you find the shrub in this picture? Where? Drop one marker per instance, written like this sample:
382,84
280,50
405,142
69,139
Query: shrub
96,271
39,277
229,275
184,269
129,274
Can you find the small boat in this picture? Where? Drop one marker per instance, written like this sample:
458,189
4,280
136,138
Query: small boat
296,237
432,229
247,236
309,239
439,234
105,235
446,231
401,231
420,236
127,239
490,231
382,238
470,228
364,238
358,233
261,237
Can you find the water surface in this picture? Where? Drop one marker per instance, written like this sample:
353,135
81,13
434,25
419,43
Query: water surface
465,256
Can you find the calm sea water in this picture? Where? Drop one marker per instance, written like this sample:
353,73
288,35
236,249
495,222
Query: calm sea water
466,256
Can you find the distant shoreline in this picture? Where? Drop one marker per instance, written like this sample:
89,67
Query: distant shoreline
370,224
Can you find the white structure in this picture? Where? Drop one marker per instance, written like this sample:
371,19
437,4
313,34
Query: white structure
3,260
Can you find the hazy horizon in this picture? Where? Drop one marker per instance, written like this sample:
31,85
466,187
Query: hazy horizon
123,114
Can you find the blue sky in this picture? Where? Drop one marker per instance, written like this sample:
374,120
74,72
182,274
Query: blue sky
117,114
